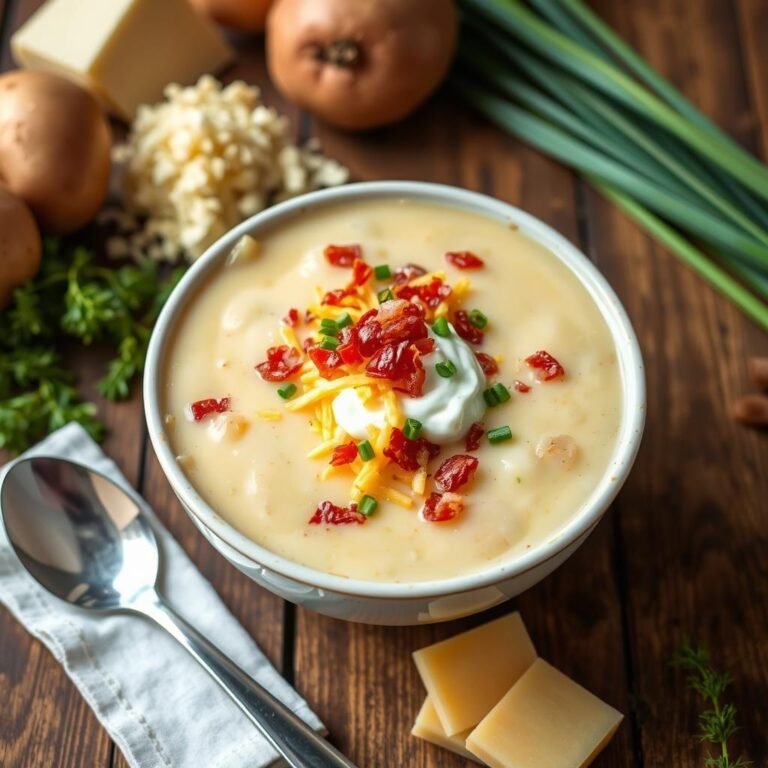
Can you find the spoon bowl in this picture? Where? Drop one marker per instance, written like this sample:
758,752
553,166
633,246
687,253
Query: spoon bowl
86,540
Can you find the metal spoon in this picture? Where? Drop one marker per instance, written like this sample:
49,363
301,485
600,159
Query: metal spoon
85,540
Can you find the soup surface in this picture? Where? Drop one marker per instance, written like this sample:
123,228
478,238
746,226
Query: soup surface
260,451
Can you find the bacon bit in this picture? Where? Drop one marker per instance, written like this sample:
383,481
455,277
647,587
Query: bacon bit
455,471
327,361
308,343
202,408
440,507
410,455
465,329
330,514
487,363
344,454
464,260
546,367
343,255
474,436
292,318
399,363
425,346
395,321
431,294
282,362
521,387
349,354
408,272
333,298
361,272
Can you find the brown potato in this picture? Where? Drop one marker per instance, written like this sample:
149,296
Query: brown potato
246,15
20,247
360,63
55,148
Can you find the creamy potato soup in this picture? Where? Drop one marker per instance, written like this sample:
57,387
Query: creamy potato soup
393,391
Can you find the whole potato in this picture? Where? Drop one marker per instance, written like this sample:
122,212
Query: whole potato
55,148
246,15
19,244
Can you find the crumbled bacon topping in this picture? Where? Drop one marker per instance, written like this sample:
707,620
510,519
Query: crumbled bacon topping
282,363
331,514
360,272
401,364
487,363
431,293
408,272
455,472
465,329
464,260
292,318
410,455
333,298
345,453
545,366
342,255
521,387
202,408
440,507
328,361
474,436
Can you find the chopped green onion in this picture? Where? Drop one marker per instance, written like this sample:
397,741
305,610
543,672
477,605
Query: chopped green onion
382,272
446,369
499,435
412,429
287,391
328,342
329,330
327,322
367,505
385,295
342,321
501,392
365,449
477,318
490,397
441,328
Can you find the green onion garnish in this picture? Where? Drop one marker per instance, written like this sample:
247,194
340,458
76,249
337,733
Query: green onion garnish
329,330
441,328
446,369
490,397
327,322
328,342
367,505
502,393
499,435
477,318
382,272
342,321
385,295
412,429
287,391
365,449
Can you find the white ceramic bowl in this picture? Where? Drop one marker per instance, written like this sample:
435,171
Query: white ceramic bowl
428,601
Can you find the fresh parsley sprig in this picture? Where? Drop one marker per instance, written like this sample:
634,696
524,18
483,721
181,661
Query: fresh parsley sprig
72,298
718,722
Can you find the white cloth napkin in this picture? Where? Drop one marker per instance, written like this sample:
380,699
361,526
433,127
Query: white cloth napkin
161,709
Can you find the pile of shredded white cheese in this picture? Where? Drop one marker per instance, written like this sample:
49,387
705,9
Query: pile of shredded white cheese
200,162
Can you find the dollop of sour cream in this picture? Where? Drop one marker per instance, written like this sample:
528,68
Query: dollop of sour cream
446,410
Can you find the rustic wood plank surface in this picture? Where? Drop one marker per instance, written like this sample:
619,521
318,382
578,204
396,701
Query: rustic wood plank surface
683,551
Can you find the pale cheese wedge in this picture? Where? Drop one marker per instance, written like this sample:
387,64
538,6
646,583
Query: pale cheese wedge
427,727
544,721
466,675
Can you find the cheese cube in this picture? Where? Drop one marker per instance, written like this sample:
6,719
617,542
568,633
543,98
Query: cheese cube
545,721
124,51
427,727
467,674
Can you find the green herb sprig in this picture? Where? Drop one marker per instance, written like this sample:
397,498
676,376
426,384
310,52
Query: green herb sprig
73,297
718,722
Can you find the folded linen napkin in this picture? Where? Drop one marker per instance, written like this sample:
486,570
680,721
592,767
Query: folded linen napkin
159,706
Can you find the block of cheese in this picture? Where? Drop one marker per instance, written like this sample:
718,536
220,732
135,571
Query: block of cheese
544,720
467,674
124,51
427,727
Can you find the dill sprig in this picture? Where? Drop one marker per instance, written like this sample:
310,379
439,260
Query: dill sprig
72,298
718,722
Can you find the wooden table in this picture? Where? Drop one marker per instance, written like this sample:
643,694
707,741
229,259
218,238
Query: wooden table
682,553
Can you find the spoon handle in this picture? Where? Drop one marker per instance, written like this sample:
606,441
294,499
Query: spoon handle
298,744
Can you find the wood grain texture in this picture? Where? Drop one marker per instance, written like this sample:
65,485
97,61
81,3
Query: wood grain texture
693,523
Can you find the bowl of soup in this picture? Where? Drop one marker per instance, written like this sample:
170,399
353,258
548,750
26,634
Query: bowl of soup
394,402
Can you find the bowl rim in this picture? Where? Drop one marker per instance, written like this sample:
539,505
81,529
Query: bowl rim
582,521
